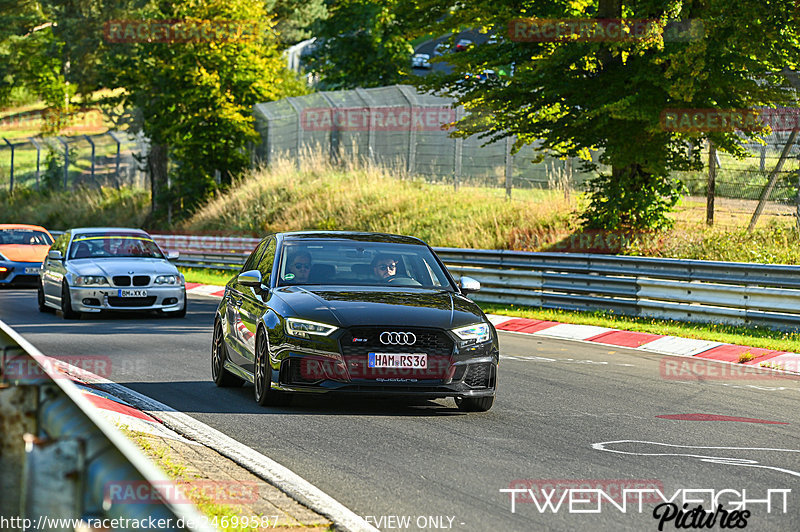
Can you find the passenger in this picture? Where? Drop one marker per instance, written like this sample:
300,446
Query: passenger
384,267
298,267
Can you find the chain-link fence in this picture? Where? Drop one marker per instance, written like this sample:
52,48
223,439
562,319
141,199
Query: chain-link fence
401,128
107,159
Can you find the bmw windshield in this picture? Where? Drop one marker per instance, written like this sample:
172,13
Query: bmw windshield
114,245
349,263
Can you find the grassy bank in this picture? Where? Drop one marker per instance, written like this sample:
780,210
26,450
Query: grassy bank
365,198
63,209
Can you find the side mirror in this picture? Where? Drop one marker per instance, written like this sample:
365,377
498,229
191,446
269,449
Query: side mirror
250,278
469,285
54,254
173,255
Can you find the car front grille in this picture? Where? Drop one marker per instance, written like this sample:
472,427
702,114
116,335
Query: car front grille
115,301
125,280
357,342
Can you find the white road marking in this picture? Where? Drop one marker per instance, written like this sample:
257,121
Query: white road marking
742,462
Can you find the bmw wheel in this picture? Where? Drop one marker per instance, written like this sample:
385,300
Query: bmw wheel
40,299
221,376
66,304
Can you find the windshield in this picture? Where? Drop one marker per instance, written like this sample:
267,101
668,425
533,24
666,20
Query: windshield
28,237
114,245
350,263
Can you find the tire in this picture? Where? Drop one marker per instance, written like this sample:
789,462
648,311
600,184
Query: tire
264,394
66,304
474,404
221,376
40,299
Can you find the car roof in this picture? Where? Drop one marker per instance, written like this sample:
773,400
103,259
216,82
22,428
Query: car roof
24,226
108,230
353,235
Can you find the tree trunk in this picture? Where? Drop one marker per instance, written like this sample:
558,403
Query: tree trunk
157,167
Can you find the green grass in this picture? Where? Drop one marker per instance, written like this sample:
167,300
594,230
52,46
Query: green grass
206,276
741,335
60,209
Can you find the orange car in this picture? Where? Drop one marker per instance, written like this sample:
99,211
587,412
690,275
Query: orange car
22,251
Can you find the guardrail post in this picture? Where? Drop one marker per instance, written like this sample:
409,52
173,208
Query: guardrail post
509,166
297,111
91,143
66,160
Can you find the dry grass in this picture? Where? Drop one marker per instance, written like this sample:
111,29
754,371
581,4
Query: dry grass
362,197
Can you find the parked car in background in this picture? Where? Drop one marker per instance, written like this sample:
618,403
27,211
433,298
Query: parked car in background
421,61
362,313
94,269
22,251
463,44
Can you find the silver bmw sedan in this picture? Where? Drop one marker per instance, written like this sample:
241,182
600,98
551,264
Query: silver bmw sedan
94,269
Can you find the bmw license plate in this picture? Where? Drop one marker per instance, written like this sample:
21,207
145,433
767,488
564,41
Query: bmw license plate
132,293
398,360
33,270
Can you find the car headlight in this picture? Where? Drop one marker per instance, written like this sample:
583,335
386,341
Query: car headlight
305,328
166,279
475,333
87,280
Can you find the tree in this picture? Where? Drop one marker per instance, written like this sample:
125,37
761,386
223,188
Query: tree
579,96
362,43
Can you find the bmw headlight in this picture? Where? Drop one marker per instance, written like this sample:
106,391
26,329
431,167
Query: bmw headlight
305,328
474,334
166,279
89,280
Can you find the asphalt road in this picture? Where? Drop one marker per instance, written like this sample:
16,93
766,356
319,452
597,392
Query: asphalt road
557,401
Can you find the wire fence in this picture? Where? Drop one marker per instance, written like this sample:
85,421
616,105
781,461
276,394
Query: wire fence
106,159
399,127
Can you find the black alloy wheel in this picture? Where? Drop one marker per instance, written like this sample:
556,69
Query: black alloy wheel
66,304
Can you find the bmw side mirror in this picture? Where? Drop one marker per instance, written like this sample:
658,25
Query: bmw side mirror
469,285
250,278
54,254
173,255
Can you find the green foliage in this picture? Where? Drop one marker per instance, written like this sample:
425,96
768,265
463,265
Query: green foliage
631,200
583,96
363,43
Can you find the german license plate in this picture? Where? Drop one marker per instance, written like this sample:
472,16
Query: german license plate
398,360
32,269
132,293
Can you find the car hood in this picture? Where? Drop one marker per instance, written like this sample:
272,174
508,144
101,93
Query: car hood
23,252
357,306
122,266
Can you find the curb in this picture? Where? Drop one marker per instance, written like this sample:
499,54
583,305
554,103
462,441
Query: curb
762,359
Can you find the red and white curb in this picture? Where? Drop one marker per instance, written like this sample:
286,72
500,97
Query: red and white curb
653,343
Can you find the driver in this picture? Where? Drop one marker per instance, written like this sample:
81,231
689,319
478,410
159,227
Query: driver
384,267
298,267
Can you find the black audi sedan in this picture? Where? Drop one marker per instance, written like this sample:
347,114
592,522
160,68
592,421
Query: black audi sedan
322,312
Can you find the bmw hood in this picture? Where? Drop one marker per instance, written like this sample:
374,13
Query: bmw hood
363,306
121,266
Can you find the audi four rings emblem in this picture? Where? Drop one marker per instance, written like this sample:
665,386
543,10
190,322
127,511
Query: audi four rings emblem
398,338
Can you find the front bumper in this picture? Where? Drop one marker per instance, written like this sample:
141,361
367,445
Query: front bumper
97,299
19,273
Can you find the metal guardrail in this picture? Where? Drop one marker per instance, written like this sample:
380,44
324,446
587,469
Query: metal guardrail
691,290
59,456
